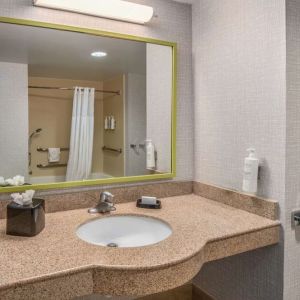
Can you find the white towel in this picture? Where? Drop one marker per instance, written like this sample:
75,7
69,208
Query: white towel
16,180
53,154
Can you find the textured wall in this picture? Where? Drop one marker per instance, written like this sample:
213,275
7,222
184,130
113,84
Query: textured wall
239,57
292,238
239,64
135,114
13,119
159,104
173,23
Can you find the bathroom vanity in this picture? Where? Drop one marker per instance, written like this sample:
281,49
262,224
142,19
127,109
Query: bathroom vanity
57,264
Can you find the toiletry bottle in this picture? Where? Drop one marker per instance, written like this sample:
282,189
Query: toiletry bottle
150,154
109,122
250,172
112,123
106,123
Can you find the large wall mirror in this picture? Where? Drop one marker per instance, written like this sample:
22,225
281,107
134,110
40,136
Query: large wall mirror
81,107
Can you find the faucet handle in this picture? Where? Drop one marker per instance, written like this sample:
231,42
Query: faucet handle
106,197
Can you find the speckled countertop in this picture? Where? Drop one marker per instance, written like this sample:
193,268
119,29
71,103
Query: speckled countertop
56,264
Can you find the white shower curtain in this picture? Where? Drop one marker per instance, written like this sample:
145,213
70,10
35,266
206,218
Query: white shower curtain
82,134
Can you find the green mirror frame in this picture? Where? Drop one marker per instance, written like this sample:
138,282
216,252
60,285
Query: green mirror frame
114,180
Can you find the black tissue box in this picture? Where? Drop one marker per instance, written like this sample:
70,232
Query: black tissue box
26,220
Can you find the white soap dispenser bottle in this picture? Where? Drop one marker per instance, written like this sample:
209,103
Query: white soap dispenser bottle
250,172
150,155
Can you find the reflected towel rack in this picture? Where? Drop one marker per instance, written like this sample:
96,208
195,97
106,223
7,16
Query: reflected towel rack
41,166
40,149
104,148
70,89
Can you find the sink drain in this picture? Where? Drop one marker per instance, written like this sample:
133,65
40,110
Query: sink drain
113,245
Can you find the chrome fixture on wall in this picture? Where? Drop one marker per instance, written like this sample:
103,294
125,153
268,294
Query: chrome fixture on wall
104,148
70,89
37,131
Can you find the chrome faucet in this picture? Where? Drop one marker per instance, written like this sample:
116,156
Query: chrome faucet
104,205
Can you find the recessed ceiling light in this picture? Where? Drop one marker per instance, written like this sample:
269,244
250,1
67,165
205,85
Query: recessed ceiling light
112,9
98,54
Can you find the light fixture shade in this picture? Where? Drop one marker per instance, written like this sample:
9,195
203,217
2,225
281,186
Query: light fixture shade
112,9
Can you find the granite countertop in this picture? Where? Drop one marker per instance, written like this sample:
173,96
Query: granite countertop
56,264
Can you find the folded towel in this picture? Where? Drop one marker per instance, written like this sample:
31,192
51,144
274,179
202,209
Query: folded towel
16,180
53,154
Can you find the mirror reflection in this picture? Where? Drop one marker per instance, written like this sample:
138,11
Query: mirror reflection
75,106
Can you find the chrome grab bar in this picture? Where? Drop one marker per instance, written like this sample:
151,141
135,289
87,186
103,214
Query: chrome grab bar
41,166
104,148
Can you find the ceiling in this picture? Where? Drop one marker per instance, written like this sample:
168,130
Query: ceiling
62,54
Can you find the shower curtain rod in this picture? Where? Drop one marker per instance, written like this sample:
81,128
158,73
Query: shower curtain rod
69,89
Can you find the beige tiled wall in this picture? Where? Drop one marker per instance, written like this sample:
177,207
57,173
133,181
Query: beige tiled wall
113,105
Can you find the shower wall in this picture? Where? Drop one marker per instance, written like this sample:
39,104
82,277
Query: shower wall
113,105
51,110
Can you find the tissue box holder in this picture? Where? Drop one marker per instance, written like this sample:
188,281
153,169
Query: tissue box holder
26,220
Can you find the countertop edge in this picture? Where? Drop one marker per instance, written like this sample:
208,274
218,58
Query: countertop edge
95,268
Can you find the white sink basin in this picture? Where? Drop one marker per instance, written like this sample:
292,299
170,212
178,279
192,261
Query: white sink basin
124,231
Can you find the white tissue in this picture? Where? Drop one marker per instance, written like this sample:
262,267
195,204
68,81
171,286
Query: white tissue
16,180
27,197
24,198
17,198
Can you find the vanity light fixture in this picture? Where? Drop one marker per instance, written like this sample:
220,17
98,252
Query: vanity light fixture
98,54
111,9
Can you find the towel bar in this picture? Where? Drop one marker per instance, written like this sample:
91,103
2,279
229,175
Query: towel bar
41,166
40,149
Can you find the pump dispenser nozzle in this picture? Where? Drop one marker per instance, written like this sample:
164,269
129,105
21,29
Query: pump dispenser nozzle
251,152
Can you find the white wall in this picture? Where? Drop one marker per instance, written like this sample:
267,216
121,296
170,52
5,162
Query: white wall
135,124
173,24
13,119
292,237
239,86
159,99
